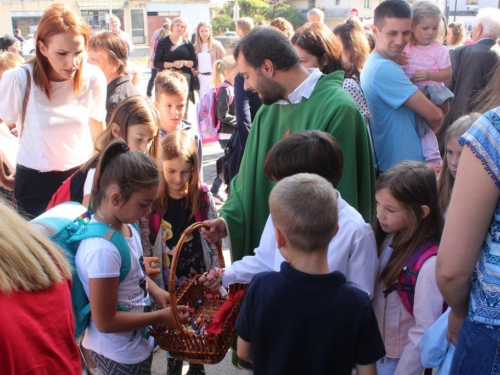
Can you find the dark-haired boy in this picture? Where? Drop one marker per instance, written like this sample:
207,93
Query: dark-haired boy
304,319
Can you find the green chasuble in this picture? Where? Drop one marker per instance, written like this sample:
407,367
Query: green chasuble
329,109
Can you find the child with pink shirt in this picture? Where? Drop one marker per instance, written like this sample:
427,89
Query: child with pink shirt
428,64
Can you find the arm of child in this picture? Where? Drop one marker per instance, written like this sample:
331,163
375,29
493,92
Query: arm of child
427,308
223,114
442,75
370,369
244,350
103,294
162,297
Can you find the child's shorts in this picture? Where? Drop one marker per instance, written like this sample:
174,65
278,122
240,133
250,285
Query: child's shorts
110,367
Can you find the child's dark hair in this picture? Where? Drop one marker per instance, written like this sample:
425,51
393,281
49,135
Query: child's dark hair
310,151
134,110
413,184
129,170
179,144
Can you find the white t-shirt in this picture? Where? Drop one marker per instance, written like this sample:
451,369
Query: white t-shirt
56,134
205,63
99,258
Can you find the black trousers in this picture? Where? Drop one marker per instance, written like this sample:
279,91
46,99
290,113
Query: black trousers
151,83
34,189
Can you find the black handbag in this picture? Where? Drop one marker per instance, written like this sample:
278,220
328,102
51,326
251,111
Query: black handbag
195,82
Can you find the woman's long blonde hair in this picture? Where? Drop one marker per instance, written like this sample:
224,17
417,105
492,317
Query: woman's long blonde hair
29,261
198,44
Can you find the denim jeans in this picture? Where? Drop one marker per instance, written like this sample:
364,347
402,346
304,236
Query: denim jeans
478,350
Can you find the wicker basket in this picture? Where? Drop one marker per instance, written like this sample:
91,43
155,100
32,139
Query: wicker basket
188,346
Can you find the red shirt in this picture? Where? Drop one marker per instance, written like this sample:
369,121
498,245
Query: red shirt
36,332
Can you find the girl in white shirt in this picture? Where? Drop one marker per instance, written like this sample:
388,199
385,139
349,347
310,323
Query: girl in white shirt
125,187
64,111
408,221
208,51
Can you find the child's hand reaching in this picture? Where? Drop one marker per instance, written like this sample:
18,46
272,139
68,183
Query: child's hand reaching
211,280
166,316
216,232
152,265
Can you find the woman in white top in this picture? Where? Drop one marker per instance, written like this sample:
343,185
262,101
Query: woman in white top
64,111
208,50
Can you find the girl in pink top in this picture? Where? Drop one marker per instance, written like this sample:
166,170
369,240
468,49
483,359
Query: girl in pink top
428,62
408,215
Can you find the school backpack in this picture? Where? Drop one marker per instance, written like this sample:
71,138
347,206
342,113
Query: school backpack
208,125
71,190
408,277
67,225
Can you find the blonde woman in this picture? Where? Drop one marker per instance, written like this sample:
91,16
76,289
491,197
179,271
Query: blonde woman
174,52
35,302
208,51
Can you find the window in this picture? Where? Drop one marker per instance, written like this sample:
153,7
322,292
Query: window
137,17
26,21
337,2
311,4
96,18
367,4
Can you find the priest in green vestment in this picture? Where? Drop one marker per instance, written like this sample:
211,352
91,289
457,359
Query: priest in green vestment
295,99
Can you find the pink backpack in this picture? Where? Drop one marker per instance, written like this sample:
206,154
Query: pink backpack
208,125
408,277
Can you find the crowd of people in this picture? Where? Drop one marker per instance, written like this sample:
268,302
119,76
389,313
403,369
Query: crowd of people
362,172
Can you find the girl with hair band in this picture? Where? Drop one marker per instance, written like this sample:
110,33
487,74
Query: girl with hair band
208,51
35,283
124,190
109,52
452,157
408,224
182,201
65,108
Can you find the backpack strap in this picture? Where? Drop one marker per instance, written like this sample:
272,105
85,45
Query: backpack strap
217,91
408,277
202,213
100,230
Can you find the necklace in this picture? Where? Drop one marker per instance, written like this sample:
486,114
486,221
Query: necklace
102,216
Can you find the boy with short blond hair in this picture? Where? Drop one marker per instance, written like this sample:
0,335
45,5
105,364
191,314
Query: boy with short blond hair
305,319
171,92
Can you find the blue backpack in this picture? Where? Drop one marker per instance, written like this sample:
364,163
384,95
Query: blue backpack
60,225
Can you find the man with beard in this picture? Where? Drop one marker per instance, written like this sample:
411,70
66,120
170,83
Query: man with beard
295,99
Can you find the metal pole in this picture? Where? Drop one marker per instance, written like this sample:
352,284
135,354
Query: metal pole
455,13
110,9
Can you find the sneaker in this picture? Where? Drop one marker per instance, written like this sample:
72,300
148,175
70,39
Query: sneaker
218,197
195,369
174,366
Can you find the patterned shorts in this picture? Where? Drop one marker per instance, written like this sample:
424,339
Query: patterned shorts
110,367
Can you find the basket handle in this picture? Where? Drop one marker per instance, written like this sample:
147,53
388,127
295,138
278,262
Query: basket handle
173,267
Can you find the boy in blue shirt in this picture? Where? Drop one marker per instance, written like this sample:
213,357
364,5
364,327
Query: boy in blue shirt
305,319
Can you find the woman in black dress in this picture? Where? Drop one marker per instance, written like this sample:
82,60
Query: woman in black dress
177,53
